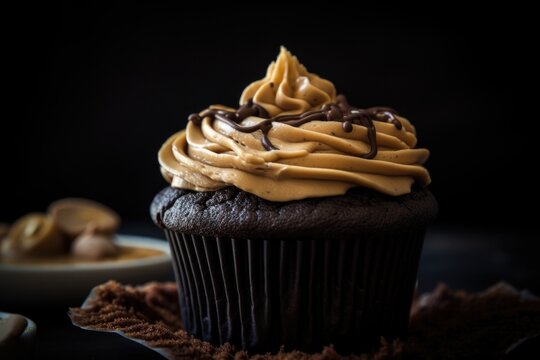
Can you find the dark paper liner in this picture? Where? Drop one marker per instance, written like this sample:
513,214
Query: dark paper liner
261,294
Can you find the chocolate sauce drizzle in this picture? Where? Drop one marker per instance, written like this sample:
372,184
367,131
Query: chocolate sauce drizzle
338,111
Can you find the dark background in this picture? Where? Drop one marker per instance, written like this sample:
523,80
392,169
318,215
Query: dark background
94,90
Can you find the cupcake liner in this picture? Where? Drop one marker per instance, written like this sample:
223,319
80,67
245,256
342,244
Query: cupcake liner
303,294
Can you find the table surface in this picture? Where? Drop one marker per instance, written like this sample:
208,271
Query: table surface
463,258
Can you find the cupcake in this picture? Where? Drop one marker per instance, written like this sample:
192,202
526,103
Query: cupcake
295,220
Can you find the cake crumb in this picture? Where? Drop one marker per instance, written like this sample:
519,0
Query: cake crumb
445,324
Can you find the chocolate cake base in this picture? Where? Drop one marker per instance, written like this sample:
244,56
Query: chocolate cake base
233,213
445,324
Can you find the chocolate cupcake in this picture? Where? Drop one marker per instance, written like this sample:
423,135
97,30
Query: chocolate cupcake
296,219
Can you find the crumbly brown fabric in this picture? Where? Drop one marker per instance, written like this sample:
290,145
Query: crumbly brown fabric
235,213
445,324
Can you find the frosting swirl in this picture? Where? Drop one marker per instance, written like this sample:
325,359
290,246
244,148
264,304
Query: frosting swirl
288,88
327,149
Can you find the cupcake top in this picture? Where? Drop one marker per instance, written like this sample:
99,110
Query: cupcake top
293,138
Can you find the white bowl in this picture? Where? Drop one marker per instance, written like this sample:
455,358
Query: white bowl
47,285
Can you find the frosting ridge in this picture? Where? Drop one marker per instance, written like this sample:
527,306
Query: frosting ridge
288,88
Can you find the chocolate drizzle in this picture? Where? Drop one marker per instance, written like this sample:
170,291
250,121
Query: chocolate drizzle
338,111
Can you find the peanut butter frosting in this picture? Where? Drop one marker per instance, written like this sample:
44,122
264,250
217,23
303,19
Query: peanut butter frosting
288,88
293,138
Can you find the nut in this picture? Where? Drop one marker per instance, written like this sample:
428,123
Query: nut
4,228
33,235
74,215
91,245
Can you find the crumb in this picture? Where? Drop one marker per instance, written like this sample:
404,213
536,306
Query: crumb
445,324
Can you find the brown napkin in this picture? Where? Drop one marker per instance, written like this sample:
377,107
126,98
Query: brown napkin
445,324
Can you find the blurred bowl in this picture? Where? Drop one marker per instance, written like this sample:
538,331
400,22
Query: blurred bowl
43,285
22,346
